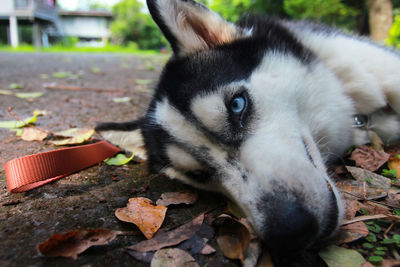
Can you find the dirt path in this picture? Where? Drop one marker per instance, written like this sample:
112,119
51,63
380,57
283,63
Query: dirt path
86,199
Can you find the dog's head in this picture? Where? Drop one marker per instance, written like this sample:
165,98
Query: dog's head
248,111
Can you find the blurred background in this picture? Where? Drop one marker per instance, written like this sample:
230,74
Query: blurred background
126,25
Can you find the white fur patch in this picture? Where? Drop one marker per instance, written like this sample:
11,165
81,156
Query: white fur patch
370,74
211,111
182,160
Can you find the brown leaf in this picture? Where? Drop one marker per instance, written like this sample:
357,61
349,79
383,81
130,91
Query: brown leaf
176,198
207,250
141,212
72,136
233,238
173,257
394,164
375,208
352,232
393,200
393,150
170,238
368,158
266,260
373,179
360,190
372,217
390,263
75,242
352,206
33,134
234,210
253,253
141,256
367,264
376,141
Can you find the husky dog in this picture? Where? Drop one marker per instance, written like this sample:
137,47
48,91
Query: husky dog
256,110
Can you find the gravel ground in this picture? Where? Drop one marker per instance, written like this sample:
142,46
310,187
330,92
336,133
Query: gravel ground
86,199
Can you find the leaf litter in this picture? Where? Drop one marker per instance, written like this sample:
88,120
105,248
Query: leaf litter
173,257
72,136
235,239
73,243
170,238
176,198
147,217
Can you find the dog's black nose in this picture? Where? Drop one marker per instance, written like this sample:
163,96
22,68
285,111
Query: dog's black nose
291,227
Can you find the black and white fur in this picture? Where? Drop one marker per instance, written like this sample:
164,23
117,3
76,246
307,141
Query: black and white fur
301,84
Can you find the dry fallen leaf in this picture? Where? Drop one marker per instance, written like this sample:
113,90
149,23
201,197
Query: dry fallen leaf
360,189
373,179
368,158
394,164
266,260
207,250
352,232
375,208
170,238
372,217
233,238
141,256
253,253
72,136
34,134
145,215
173,257
335,256
352,206
176,198
390,263
75,242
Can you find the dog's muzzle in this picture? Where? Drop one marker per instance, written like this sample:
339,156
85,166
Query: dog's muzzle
292,227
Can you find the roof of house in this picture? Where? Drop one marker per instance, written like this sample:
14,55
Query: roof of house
91,13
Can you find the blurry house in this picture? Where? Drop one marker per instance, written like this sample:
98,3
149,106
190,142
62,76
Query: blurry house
39,22
28,21
88,26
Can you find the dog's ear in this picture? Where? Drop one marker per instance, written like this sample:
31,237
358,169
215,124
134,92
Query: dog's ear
125,135
190,26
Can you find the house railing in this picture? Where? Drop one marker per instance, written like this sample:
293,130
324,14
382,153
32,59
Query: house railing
43,9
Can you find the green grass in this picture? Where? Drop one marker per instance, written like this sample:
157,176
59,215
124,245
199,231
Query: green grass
63,49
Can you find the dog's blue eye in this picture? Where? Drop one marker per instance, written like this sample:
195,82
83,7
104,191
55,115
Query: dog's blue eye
238,104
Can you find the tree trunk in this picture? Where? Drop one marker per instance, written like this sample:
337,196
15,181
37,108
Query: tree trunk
380,18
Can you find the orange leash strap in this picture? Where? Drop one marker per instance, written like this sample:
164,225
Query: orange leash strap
32,171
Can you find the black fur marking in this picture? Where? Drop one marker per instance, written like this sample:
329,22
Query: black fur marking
201,176
278,37
155,13
119,126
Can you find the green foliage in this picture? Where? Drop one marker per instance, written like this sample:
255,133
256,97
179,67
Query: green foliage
395,240
132,25
69,41
389,173
375,259
394,34
328,11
